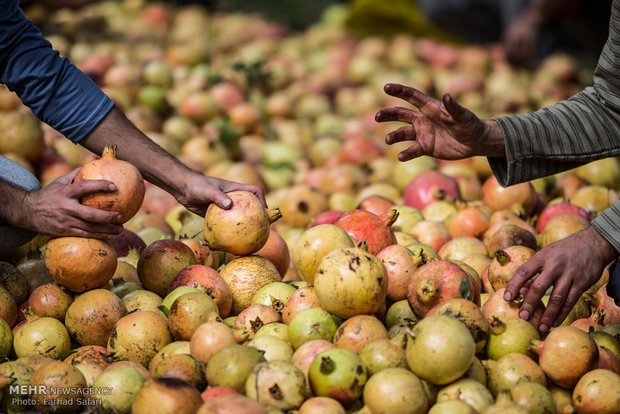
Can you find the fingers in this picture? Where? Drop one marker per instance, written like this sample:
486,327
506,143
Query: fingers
405,133
221,199
67,178
83,188
557,299
458,112
396,114
409,94
410,153
521,276
257,191
95,215
569,304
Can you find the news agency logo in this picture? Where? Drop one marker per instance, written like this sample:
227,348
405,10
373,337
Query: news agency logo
45,390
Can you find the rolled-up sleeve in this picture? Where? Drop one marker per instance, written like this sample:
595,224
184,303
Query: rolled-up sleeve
56,91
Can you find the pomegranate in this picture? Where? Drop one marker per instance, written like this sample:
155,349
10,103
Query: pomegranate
278,384
160,262
213,393
431,233
301,204
598,391
469,314
21,134
242,229
6,338
188,312
468,221
506,262
173,348
92,315
273,348
607,360
520,198
8,308
505,404
436,282
231,366
138,337
399,264
594,199
245,276
358,331
510,235
339,374
511,369
79,263
208,278
376,204
50,300
509,335
430,186
47,336
314,244
380,354
326,217
181,366
592,323
556,209
395,390
601,302
276,250
533,397
53,376
141,300
129,194
167,395
324,405
430,349
351,281
32,267
363,225
441,211
469,391
311,324
302,298
254,317
274,295
123,383
204,255
125,241
14,374
563,341
461,247
562,226
238,404
399,312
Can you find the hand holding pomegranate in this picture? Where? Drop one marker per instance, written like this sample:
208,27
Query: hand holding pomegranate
56,210
442,129
571,265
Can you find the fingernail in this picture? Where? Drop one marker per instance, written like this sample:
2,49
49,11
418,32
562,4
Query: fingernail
119,217
377,116
524,315
507,297
226,203
543,327
112,187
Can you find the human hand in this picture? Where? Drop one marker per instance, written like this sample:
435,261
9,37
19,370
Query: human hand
442,129
519,41
200,191
571,265
56,210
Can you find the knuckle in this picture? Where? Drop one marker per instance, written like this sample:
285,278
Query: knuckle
556,299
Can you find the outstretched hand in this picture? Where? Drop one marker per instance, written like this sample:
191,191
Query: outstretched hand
570,265
442,129
56,210
200,191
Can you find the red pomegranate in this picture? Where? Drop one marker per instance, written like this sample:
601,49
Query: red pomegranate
431,186
602,303
439,281
363,225
520,198
556,209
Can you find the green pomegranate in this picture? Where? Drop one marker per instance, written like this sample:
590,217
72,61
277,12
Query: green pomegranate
395,390
311,324
278,384
381,354
231,366
339,374
47,336
440,349
123,383
510,335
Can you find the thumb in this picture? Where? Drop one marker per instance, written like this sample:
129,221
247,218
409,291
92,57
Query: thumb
221,199
458,112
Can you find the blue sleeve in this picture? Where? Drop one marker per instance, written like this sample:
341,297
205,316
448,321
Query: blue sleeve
56,91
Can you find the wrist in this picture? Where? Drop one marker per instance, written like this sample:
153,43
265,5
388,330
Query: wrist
14,206
606,251
492,142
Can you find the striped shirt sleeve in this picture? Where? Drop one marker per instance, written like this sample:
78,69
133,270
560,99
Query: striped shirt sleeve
581,129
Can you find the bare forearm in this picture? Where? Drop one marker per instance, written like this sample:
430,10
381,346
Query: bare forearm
156,165
13,200
493,145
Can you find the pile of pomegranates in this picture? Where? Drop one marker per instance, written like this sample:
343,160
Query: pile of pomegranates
368,286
